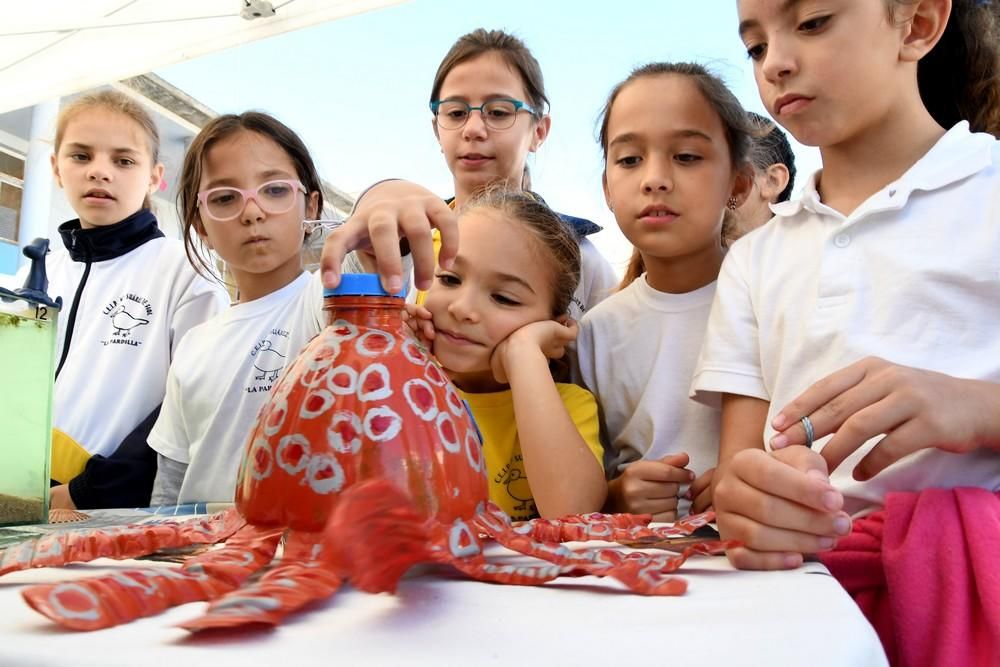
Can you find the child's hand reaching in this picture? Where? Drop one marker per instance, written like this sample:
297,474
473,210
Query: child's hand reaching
548,338
387,213
420,323
650,487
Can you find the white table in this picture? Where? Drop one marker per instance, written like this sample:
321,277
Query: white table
727,618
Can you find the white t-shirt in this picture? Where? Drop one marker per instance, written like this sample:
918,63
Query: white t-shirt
636,352
222,376
132,313
597,280
912,275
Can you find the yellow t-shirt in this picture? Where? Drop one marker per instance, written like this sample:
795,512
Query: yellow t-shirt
494,413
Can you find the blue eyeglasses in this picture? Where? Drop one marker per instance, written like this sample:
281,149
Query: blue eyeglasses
498,114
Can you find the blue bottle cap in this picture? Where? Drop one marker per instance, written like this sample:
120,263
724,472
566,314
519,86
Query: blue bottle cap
361,284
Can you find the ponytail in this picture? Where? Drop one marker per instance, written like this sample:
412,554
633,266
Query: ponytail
960,78
636,267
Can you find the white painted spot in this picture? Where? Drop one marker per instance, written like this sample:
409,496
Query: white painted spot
415,388
289,444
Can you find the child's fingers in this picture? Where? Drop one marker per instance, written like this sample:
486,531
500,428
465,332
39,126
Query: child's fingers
654,506
336,246
882,417
415,227
748,559
702,501
445,221
679,460
900,442
764,537
796,474
819,394
659,472
384,237
702,482
738,499
428,330
833,416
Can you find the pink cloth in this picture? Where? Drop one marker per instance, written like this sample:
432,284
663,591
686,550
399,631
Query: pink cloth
926,572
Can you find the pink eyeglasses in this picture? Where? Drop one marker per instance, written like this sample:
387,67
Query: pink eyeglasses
226,203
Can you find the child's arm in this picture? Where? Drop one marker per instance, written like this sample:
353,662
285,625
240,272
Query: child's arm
918,409
650,487
565,476
779,504
387,212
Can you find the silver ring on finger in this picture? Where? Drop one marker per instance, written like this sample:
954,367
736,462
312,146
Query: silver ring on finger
810,433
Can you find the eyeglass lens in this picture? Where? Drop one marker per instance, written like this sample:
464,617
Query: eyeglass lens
274,198
497,114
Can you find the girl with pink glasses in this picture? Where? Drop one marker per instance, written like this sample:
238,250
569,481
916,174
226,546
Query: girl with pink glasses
247,187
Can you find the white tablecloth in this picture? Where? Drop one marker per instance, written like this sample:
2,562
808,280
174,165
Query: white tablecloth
727,618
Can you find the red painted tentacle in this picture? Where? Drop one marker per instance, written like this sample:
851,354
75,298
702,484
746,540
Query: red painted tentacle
126,595
623,528
641,572
296,581
118,543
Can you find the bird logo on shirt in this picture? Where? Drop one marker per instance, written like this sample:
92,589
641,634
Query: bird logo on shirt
518,489
268,361
124,321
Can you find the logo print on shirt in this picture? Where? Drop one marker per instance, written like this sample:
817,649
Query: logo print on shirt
268,358
128,314
515,482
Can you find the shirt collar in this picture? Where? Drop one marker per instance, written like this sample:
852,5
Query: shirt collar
957,155
99,244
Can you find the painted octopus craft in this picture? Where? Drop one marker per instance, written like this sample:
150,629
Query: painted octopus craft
364,462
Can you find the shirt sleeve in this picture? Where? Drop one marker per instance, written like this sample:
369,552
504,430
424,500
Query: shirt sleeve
167,485
582,409
730,354
199,301
601,277
582,359
169,436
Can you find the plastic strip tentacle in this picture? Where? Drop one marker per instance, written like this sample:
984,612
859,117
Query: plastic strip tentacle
128,594
297,580
641,572
119,543
623,528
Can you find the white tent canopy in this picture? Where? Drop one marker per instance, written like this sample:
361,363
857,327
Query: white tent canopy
51,48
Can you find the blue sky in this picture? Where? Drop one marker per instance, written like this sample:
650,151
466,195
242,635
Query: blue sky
356,89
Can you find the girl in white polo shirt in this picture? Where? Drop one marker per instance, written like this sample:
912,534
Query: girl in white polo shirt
247,186
676,144
129,298
891,251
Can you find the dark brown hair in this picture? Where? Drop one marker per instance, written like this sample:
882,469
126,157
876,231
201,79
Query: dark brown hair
511,49
115,102
217,129
554,236
772,147
960,78
739,130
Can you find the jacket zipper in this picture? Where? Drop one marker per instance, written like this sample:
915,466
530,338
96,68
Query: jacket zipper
71,324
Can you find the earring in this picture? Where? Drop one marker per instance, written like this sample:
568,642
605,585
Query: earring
731,204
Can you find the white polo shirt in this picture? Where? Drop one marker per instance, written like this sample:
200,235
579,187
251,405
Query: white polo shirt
220,379
912,275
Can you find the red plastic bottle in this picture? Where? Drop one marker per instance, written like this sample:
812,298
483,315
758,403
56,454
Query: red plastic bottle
363,400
